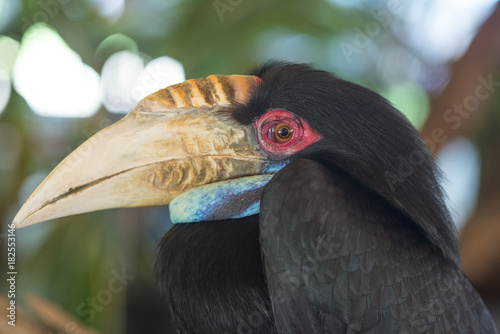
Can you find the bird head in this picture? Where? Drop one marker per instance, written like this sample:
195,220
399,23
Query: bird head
208,147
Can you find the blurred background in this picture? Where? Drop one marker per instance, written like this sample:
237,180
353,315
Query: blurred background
69,68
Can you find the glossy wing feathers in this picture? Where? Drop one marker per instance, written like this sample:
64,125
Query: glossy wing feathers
338,259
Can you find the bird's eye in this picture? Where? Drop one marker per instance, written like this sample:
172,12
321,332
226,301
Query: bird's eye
283,132
280,132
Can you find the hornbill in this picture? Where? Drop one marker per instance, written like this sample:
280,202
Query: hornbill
302,203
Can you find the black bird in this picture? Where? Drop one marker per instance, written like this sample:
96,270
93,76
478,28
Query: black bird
303,203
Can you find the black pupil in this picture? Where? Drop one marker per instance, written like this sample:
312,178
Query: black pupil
283,132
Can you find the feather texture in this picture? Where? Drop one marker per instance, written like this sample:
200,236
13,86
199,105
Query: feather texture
340,260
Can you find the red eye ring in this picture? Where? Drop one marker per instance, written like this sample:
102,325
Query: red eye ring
283,132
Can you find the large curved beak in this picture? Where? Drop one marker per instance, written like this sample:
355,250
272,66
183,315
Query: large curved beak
175,139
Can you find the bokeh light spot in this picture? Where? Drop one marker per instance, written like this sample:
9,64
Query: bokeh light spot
445,27
111,9
126,80
52,77
9,10
115,43
118,78
9,49
4,89
461,165
160,73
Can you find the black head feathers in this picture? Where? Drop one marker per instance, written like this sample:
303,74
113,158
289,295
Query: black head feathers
363,135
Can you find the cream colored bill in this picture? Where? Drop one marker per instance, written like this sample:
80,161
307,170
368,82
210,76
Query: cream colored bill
175,139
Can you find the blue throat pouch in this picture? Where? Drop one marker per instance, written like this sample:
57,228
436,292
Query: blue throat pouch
221,200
